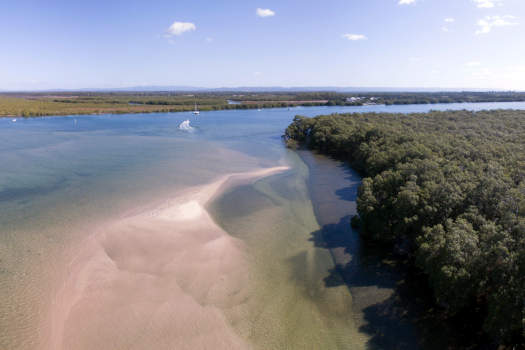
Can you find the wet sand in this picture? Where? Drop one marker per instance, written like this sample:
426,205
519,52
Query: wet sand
161,278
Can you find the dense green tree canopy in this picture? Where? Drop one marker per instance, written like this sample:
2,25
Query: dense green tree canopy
451,185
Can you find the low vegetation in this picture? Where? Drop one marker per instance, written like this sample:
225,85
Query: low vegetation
44,104
450,186
66,103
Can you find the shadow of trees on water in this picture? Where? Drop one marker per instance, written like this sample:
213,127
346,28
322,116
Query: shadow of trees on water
393,296
390,294
376,286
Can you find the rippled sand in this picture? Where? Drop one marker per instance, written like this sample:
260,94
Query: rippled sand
163,278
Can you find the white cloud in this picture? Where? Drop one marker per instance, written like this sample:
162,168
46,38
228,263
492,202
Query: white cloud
178,28
264,12
486,24
473,64
406,2
354,37
487,4
450,20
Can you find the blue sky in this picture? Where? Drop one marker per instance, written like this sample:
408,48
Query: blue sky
368,43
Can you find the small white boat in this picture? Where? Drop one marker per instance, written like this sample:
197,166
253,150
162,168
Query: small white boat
185,125
196,111
13,120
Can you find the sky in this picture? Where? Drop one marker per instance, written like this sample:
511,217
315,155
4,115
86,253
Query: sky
460,44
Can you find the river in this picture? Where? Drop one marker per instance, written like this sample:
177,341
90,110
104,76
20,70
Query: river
63,179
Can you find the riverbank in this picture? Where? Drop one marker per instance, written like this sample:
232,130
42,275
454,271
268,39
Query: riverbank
40,105
390,299
427,193
161,278
373,280
35,104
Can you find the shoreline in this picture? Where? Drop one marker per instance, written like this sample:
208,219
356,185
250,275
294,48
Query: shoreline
247,107
202,110
375,282
164,275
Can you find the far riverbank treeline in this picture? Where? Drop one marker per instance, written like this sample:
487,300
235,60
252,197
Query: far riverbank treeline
27,104
448,189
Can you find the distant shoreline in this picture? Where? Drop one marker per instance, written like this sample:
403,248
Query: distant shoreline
251,105
14,105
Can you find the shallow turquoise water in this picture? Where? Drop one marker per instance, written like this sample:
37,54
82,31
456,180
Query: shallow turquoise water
62,176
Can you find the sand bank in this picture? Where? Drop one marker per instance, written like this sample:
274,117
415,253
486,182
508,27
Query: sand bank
159,279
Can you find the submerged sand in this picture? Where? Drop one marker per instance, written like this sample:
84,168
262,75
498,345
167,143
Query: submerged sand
162,278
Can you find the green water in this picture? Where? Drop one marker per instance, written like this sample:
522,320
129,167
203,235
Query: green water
291,306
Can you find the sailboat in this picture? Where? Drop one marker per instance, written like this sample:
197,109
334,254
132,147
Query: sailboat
196,111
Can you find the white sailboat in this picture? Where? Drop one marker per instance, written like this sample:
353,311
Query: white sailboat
196,111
